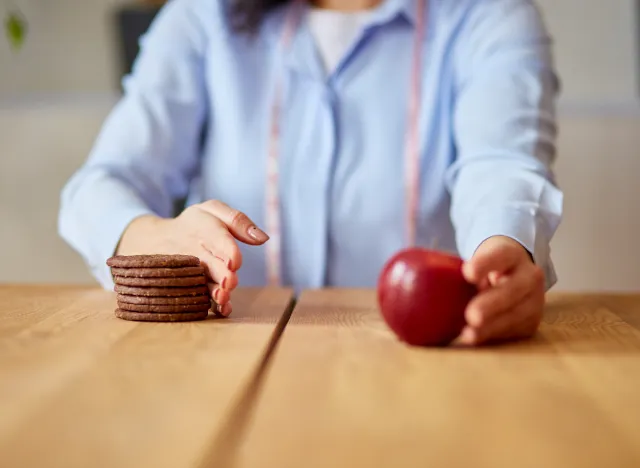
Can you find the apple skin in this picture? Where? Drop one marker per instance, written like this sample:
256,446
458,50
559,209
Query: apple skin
423,295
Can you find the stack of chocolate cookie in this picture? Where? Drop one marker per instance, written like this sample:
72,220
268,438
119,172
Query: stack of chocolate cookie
160,288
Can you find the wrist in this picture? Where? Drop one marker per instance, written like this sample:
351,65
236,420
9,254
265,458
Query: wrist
140,235
515,244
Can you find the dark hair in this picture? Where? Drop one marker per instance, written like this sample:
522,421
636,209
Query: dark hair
247,15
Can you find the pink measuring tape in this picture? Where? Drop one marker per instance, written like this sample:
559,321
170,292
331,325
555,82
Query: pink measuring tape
411,151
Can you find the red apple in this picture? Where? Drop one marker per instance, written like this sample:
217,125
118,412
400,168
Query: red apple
423,295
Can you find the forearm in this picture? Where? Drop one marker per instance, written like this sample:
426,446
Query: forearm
505,132
148,149
95,210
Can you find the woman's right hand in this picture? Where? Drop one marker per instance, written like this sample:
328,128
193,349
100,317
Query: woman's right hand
208,231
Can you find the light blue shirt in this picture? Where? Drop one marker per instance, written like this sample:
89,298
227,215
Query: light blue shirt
487,138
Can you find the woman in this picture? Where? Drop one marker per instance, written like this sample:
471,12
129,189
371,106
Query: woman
346,130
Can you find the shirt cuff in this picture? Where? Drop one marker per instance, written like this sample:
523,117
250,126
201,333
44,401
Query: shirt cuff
520,225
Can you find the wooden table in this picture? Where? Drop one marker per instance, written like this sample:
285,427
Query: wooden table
326,385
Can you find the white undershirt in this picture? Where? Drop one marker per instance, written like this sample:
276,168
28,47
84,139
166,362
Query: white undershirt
335,32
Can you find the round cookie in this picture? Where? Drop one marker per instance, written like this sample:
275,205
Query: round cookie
177,272
154,317
184,300
153,261
161,282
161,292
163,309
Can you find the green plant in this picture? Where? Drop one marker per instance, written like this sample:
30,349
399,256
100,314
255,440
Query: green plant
15,27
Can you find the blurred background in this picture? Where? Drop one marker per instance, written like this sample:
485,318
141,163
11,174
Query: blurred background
57,89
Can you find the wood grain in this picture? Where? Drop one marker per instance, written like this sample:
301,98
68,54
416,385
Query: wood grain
626,306
343,392
80,388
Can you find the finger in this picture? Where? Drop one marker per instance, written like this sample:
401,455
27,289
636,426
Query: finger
214,268
484,284
216,308
220,296
467,337
225,310
494,277
224,247
507,293
217,272
222,276
236,222
528,328
491,256
521,321
474,336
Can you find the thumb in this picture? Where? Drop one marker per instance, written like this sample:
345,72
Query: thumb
492,255
238,223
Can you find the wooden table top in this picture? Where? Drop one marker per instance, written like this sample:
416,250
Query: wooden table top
324,384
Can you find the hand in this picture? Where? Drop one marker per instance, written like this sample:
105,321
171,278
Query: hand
510,301
208,231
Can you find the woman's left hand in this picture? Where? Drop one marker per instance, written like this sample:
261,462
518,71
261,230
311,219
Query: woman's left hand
511,294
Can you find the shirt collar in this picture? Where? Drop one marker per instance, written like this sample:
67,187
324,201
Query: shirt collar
385,13
301,55
391,9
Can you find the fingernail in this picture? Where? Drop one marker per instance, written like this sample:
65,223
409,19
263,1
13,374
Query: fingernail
224,281
257,235
226,309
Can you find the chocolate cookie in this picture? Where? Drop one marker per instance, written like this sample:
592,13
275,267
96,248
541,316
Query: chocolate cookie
161,292
154,317
163,309
158,272
184,300
161,282
153,261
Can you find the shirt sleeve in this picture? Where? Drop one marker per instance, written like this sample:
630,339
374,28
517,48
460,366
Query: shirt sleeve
505,129
148,149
